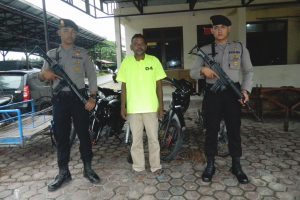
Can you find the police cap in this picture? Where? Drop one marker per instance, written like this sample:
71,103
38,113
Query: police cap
67,23
220,19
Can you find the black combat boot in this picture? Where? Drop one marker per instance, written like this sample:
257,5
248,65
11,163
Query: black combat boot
209,170
89,173
63,176
236,169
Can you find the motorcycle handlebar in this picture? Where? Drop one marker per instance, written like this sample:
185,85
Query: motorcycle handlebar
108,91
183,85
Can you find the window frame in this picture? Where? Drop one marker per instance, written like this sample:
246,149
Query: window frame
161,39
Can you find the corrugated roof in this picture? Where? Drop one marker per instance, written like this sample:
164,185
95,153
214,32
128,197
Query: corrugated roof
22,28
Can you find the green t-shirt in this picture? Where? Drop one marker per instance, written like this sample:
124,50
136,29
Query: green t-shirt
140,78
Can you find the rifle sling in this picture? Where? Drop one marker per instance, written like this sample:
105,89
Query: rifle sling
62,84
213,50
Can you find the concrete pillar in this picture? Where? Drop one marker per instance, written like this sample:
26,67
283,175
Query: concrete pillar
293,50
118,40
241,24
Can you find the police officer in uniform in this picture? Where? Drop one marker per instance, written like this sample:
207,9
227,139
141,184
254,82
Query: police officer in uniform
234,58
66,105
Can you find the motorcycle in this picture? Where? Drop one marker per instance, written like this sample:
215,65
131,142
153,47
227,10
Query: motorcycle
172,126
106,119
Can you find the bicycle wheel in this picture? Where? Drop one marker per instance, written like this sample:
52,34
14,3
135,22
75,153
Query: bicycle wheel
170,138
200,119
223,150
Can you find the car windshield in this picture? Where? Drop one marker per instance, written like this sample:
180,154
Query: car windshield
14,65
9,82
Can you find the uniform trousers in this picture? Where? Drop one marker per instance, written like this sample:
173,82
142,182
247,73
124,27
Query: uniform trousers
67,108
220,105
137,122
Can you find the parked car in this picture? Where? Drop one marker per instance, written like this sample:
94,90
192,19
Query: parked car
105,65
19,65
22,85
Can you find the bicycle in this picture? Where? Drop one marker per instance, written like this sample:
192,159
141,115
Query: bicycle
172,126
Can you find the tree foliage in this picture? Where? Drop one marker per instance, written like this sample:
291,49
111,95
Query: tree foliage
105,50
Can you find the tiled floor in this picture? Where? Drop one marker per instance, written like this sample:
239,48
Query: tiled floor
271,159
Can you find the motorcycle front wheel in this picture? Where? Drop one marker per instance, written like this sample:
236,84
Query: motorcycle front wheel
223,150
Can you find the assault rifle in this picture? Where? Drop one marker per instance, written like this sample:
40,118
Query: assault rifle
58,70
223,81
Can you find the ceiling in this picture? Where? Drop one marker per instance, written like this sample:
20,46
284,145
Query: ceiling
97,8
22,28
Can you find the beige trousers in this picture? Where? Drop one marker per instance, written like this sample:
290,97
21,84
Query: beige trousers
137,122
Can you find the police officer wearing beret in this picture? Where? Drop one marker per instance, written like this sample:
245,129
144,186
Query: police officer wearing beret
234,58
66,105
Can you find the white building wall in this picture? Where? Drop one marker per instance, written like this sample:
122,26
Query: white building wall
268,76
277,75
187,20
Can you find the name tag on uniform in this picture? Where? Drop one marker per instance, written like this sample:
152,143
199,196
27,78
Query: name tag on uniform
77,55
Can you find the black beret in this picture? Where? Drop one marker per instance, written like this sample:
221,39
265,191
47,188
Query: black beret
67,23
220,19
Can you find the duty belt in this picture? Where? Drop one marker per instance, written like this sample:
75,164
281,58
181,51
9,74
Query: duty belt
71,93
209,85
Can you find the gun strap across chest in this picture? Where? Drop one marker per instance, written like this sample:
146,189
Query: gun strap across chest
57,55
213,50
62,83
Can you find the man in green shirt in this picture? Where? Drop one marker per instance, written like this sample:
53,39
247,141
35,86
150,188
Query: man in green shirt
142,102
